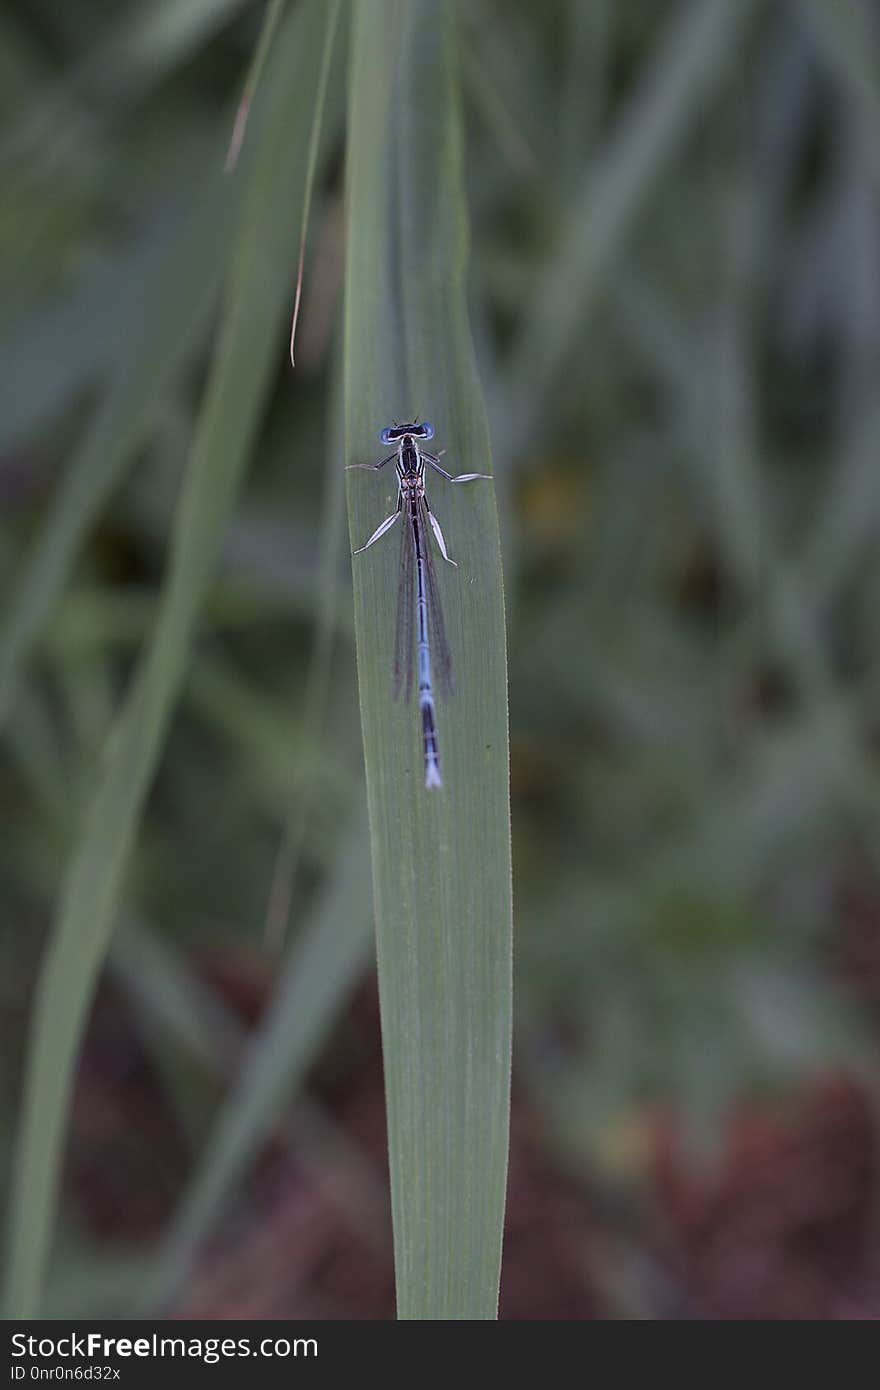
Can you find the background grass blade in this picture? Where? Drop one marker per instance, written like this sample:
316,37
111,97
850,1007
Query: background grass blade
441,862
698,42
51,353
322,967
131,54
273,13
172,310
845,33
255,306
318,683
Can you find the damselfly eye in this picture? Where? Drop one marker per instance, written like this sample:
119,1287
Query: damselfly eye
386,436
427,430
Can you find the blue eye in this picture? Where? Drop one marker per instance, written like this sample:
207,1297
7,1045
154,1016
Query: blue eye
386,436
427,430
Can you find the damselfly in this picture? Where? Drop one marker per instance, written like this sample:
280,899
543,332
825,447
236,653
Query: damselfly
415,555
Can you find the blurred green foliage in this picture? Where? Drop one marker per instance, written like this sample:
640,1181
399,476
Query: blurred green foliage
675,293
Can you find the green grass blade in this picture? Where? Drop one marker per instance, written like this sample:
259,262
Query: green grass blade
441,859
242,371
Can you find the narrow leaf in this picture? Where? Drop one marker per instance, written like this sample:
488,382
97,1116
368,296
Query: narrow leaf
441,858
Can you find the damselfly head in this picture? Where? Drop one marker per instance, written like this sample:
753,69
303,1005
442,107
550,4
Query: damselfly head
392,433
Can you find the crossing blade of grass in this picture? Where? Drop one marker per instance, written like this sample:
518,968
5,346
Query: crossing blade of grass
256,301
322,967
174,998
699,42
440,858
168,317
